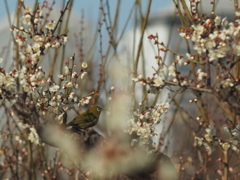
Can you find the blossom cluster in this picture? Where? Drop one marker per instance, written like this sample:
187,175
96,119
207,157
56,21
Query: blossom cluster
55,99
143,122
7,84
215,40
217,43
32,136
46,94
210,140
34,40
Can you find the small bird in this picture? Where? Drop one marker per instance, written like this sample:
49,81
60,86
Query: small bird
86,119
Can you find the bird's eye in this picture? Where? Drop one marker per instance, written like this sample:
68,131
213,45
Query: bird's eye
98,109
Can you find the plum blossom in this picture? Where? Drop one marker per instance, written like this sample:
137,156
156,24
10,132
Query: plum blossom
158,81
143,122
201,75
54,88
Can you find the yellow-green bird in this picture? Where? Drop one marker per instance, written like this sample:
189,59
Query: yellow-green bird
86,119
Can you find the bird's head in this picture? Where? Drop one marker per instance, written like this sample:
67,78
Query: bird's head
96,110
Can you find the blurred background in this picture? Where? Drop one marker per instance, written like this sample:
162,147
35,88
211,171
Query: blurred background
86,42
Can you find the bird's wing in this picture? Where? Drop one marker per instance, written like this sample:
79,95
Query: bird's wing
89,116
85,118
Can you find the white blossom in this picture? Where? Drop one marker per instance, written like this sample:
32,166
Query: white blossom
54,88
158,81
